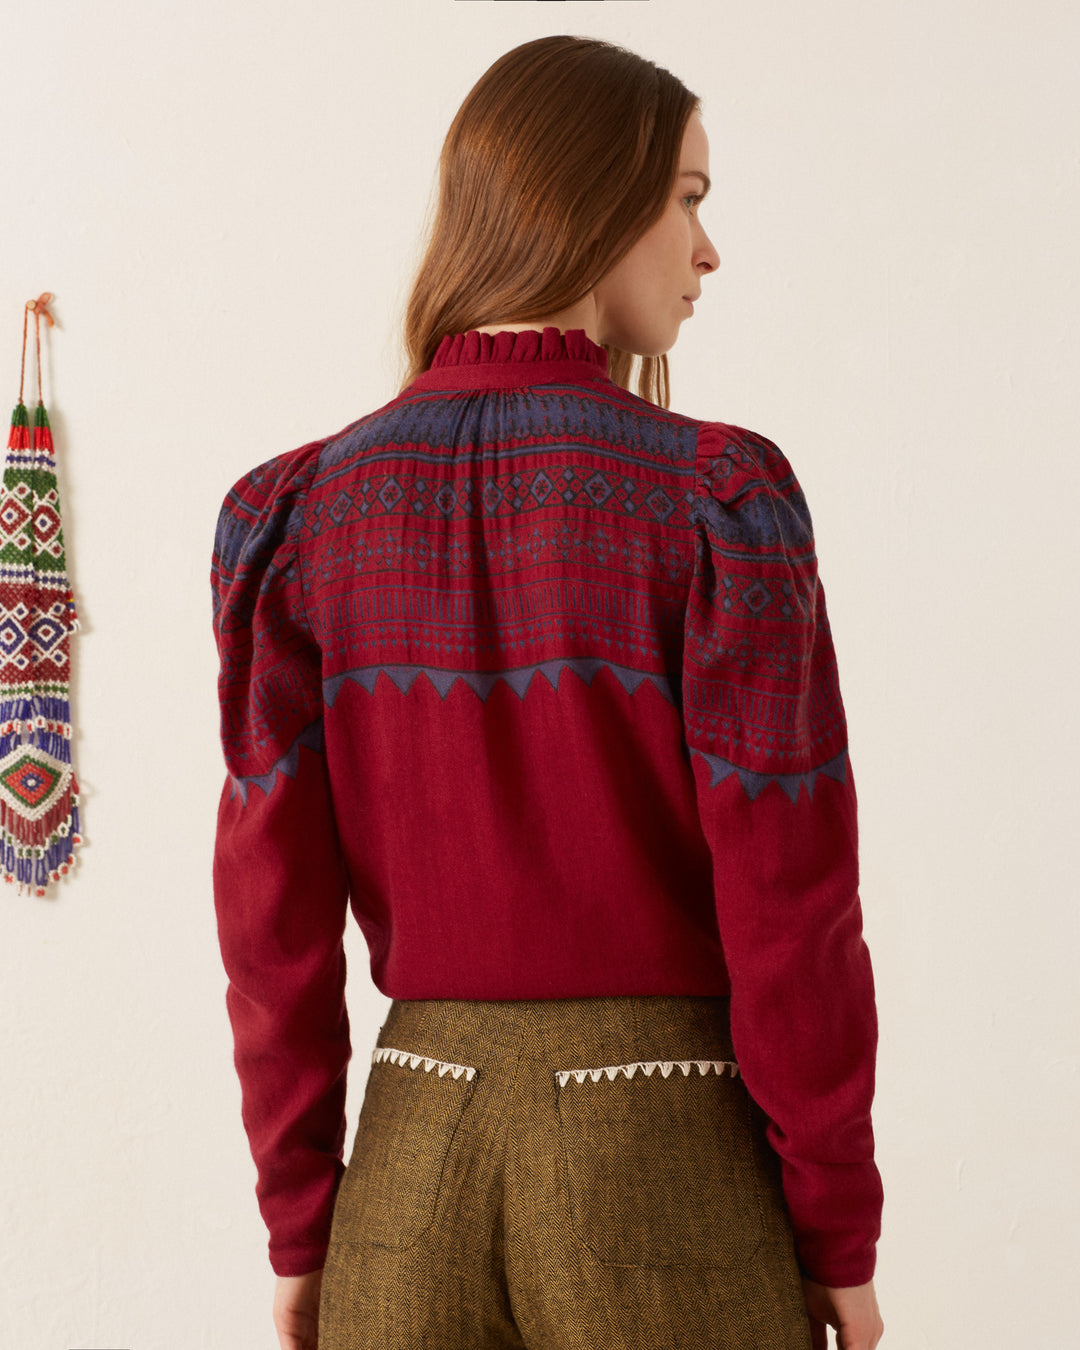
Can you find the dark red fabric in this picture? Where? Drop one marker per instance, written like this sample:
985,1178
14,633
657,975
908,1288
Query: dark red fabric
539,679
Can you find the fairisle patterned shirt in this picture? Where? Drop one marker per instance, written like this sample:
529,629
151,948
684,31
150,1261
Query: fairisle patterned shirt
537,677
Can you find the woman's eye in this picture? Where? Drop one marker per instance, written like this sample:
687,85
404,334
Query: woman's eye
695,198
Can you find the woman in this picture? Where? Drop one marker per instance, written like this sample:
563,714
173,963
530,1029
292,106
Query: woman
536,675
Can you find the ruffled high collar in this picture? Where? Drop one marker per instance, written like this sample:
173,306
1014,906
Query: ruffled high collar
550,344
475,360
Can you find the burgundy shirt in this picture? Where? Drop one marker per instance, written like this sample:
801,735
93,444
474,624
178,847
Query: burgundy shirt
536,677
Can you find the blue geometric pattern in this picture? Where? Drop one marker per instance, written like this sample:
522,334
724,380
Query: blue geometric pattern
516,493
482,682
665,549
556,418
761,521
753,783
311,736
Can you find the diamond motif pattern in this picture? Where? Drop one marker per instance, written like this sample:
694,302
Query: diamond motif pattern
39,812
29,781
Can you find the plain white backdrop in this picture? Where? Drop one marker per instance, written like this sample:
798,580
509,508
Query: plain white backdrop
225,199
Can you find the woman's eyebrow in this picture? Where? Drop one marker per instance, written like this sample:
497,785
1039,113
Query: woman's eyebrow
696,173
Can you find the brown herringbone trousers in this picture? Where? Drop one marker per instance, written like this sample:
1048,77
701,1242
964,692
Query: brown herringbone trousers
496,1199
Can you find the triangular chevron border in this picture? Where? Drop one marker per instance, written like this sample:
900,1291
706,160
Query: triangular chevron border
388,1054
753,783
482,682
311,736
648,1068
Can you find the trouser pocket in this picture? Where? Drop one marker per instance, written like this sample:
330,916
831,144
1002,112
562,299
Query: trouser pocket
412,1108
661,1163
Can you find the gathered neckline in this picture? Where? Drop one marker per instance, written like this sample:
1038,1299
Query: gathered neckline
531,344
507,360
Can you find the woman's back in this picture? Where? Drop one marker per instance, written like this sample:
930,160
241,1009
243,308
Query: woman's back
539,675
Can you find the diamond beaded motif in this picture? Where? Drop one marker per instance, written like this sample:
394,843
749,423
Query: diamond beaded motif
39,812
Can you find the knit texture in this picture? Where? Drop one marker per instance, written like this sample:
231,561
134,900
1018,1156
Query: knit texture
539,678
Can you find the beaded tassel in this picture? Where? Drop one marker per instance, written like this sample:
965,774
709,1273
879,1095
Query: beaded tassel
39,795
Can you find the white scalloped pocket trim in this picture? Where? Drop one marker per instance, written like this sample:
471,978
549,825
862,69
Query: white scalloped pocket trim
648,1067
387,1053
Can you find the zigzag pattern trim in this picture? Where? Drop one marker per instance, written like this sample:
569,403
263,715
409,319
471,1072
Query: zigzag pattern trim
648,1068
387,1054
311,736
753,783
482,682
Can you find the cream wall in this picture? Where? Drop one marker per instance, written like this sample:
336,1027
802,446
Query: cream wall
224,200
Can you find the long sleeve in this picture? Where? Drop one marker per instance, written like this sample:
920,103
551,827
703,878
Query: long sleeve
767,736
280,882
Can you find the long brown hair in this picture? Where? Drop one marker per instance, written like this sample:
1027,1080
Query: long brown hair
563,141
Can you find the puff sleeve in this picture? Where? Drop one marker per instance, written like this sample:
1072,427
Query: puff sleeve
280,882
767,736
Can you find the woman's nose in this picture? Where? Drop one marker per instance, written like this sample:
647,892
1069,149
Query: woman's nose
706,253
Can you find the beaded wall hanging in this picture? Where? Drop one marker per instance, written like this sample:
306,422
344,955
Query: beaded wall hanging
39,796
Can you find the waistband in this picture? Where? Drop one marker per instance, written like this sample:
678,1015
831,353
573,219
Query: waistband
629,1034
